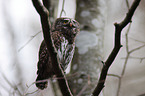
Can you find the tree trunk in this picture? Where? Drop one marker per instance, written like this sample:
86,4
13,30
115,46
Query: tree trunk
86,63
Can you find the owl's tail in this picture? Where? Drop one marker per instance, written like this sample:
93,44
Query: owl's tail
44,66
41,82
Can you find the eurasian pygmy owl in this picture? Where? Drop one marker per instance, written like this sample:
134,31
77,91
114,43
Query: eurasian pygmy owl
63,33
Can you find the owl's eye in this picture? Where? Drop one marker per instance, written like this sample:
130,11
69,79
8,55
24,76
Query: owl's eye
66,21
76,23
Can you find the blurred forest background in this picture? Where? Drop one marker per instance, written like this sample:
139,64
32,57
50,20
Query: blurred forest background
21,36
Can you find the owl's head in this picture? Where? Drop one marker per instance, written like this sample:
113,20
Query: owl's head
67,26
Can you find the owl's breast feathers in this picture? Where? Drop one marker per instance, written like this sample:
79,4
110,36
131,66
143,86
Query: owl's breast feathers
64,48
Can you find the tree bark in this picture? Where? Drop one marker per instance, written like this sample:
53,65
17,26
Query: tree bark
86,63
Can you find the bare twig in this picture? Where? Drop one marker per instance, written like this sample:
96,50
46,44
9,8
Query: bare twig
127,4
86,86
114,75
109,61
62,10
83,89
15,88
135,49
126,37
128,55
125,63
28,41
137,40
127,58
26,91
122,74
31,93
44,15
141,58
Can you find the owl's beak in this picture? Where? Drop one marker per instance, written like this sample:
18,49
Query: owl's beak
70,24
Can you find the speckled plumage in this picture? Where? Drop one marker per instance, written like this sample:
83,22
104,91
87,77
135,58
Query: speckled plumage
63,35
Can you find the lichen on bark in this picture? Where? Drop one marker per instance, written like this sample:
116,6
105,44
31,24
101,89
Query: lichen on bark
86,63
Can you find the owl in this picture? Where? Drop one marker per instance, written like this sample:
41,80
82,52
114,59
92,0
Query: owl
63,34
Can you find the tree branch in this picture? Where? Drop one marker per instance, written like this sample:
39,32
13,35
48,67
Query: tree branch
117,46
46,26
47,3
62,10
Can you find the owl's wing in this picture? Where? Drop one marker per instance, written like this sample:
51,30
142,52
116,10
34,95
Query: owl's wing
44,67
42,47
43,58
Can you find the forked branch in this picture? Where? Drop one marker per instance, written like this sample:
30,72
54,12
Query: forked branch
117,46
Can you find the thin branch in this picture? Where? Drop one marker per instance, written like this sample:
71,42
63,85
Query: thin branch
126,60
127,4
31,93
125,63
5,78
122,74
109,61
135,49
47,3
126,37
11,85
32,37
141,58
137,40
114,75
83,89
132,57
86,86
44,15
128,55
62,10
